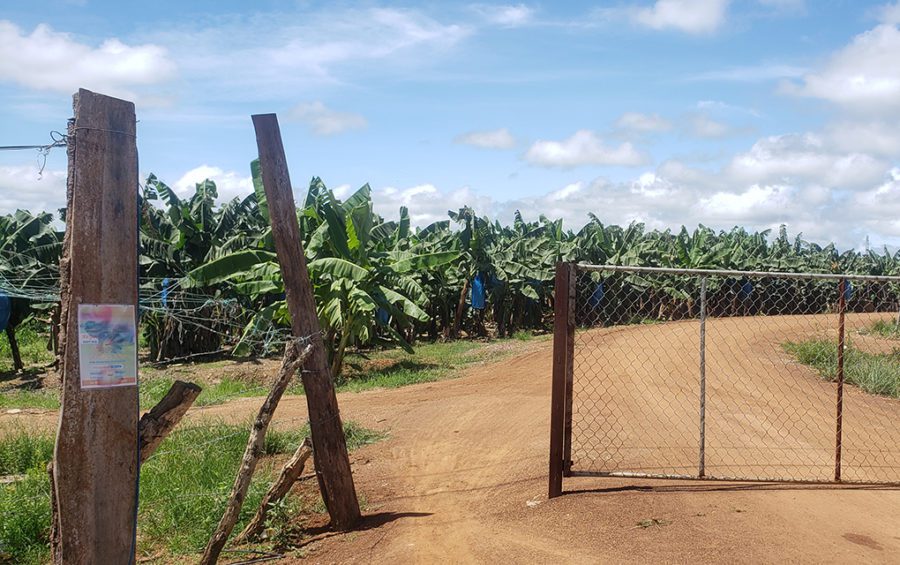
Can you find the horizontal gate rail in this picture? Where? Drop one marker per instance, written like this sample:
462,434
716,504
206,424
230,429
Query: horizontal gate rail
725,478
737,274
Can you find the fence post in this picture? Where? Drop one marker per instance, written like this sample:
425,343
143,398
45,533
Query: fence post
570,366
839,417
329,445
95,468
702,469
558,387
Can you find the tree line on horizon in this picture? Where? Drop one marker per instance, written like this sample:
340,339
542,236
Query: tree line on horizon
210,278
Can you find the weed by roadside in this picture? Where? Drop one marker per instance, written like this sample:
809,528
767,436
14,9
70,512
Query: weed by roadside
874,373
884,328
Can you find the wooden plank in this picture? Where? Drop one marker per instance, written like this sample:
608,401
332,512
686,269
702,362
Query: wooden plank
330,448
558,383
96,458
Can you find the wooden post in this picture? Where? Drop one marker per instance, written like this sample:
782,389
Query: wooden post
330,447
558,388
570,369
96,455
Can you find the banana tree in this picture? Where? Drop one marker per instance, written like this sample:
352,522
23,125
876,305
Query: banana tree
29,266
354,275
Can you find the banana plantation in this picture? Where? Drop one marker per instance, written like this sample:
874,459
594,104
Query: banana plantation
210,280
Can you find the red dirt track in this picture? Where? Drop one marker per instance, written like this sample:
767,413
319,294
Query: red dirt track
462,476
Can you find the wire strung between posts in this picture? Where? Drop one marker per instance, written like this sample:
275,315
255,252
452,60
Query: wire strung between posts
57,139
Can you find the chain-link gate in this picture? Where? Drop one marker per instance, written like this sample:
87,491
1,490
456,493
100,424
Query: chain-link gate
732,375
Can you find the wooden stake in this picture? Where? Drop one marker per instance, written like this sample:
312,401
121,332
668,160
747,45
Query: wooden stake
286,479
332,460
96,461
293,359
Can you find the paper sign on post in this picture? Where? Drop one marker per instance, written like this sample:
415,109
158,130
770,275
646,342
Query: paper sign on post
107,345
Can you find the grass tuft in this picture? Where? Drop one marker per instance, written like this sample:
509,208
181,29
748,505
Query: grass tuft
22,450
874,373
886,329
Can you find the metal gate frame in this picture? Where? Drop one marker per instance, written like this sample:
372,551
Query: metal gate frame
563,365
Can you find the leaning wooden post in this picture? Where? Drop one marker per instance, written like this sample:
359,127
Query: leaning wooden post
558,389
329,445
96,455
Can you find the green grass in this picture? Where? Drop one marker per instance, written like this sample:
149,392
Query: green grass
47,399
25,519
21,450
380,369
32,339
884,328
430,362
184,487
874,373
153,389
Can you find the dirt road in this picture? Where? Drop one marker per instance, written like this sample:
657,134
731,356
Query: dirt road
462,475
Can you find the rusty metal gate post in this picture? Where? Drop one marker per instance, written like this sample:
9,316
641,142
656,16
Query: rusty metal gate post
702,467
570,365
839,417
563,327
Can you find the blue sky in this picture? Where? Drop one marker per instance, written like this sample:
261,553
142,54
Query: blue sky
670,112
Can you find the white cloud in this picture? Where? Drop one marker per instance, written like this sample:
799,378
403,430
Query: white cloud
876,137
642,123
725,108
491,139
427,203
689,16
505,15
863,77
246,57
804,158
325,121
751,74
702,125
890,13
23,186
229,184
879,208
767,204
49,60
583,148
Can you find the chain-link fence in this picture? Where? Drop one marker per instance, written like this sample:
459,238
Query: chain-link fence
726,375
